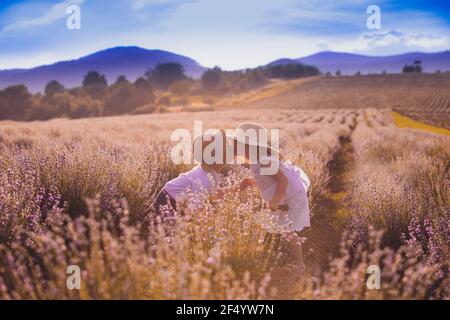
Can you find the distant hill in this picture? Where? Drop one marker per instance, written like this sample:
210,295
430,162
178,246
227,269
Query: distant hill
134,61
350,63
282,61
129,61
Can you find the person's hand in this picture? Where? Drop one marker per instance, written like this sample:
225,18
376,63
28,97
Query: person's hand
273,205
220,194
247,182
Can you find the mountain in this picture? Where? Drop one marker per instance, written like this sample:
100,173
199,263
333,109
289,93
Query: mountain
350,63
282,61
134,61
129,61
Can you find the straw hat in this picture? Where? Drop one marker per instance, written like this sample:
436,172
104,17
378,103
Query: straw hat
203,140
250,133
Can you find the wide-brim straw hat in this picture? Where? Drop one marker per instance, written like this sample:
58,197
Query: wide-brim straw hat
250,133
207,138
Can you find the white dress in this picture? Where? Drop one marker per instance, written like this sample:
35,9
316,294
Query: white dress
298,215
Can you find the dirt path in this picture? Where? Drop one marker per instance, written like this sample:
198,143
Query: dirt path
327,224
323,238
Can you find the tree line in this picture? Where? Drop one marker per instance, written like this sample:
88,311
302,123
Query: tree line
150,92
414,68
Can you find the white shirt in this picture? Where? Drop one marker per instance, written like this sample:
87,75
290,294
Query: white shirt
197,180
298,215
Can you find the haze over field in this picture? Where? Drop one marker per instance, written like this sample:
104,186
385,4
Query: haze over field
133,62
350,63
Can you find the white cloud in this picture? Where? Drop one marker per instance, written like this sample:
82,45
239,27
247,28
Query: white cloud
396,42
141,4
322,46
55,13
426,41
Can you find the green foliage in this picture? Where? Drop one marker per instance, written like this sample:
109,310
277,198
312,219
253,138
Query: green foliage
14,102
121,79
217,81
118,99
96,98
164,74
164,101
141,94
290,71
182,87
124,97
412,69
95,85
70,104
94,78
253,78
53,87
212,78
415,68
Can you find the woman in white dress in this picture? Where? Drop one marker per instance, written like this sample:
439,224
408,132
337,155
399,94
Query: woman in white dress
283,185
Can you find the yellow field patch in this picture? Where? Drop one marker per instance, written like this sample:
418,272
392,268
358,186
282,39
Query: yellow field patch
406,122
274,88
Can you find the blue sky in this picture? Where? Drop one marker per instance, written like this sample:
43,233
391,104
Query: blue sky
230,33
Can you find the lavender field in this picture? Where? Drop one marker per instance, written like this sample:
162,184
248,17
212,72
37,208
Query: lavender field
79,192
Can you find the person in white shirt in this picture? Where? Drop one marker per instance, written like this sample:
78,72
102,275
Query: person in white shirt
192,187
200,181
285,189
